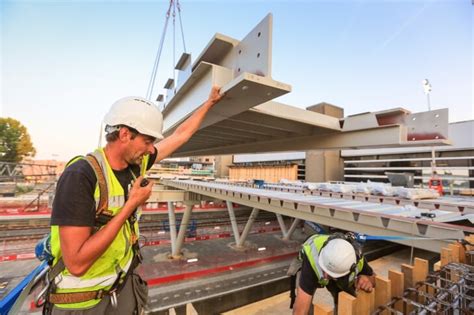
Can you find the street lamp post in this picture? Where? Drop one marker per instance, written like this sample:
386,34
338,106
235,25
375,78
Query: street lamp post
427,90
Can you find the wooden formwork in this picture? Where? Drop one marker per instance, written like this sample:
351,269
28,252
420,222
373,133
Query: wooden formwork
408,284
268,173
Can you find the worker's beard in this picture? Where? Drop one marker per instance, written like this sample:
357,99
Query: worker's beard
136,160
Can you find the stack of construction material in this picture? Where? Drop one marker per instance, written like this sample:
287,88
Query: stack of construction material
368,188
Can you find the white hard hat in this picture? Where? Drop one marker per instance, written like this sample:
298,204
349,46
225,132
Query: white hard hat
137,113
337,258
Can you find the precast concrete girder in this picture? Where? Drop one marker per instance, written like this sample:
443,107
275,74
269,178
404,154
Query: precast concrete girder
430,125
222,130
461,206
217,133
167,195
241,68
204,139
306,130
389,136
251,129
295,114
255,118
161,194
428,235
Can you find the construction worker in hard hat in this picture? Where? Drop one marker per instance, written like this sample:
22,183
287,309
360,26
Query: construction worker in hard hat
95,253
334,262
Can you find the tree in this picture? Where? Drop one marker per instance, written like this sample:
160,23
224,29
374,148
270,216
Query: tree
15,142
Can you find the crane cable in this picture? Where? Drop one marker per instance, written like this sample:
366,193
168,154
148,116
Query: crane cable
181,24
174,47
172,6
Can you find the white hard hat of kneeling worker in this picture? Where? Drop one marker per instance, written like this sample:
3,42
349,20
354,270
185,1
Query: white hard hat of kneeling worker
337,258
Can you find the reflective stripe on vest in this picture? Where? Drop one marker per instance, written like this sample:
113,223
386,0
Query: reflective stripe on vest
311,248
117,257
68,281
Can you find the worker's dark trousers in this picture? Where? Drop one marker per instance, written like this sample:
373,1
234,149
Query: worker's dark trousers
127,303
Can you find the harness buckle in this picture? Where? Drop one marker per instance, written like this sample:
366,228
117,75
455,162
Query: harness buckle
114,288
40,298
100,295
113,298
133,238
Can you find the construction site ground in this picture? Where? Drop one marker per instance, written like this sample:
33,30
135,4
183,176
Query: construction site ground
220,269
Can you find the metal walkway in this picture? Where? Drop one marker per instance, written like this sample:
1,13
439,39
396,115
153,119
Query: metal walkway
353,215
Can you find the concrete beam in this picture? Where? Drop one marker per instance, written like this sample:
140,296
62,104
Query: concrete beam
389,136
433,235
242,70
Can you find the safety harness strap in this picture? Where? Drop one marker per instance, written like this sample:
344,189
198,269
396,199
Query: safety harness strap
101,181
292,290
75,297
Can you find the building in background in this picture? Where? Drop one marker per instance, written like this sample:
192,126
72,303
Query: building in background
454,164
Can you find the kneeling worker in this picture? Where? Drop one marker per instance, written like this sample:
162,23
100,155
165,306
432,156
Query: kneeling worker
334,262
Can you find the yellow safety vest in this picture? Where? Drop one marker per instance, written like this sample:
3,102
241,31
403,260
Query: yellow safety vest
118,256
312,247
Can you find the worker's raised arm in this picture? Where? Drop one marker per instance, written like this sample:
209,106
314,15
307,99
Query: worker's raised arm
184,131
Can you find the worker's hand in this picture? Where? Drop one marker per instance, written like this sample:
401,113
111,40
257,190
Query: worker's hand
364,283
215,95
138,194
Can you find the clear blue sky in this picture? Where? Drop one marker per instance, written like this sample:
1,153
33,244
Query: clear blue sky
63,63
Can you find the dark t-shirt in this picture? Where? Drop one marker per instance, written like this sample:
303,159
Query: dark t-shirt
309,282
74,203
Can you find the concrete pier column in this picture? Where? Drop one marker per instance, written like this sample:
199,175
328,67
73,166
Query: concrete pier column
172,222
282,224
182,230
292,229
248,227
233,221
